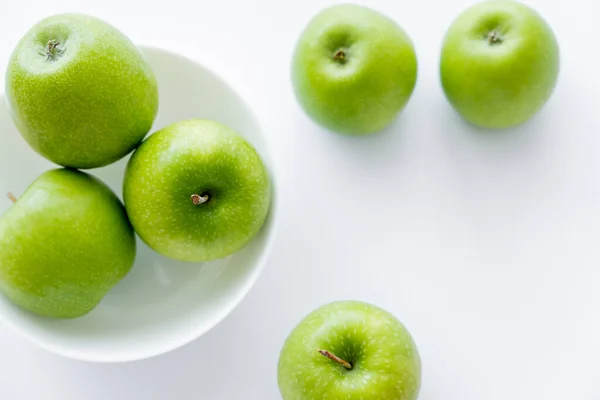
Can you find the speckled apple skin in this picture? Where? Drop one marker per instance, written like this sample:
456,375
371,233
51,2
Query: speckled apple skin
366,93
90,106
385,359
64,244
196,157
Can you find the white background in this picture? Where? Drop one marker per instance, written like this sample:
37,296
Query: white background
484,244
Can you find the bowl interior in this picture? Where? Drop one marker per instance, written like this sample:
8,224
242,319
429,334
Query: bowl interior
162,304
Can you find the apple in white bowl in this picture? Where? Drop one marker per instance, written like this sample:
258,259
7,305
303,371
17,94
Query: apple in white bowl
196,190
162,303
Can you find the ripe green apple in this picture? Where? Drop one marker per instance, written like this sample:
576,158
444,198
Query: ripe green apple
196,191
80,92
349,350
353,69
499,64
64,244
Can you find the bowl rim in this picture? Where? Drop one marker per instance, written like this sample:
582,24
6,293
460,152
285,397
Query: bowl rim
196,330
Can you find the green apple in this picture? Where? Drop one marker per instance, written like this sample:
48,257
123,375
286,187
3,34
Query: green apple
196,191
80,92
353,69
499,64
349,350
64,244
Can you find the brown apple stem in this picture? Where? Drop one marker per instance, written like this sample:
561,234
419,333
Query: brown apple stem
11,197
198,199
52,44
52,50
335,358
340,56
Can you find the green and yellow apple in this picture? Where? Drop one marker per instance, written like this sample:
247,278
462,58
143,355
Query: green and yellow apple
353,69
349,350
499,64
80,92
196,191
64,244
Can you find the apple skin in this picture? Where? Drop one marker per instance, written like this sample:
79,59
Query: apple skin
64,244
385,360
499,84
87,107
196,157
366,91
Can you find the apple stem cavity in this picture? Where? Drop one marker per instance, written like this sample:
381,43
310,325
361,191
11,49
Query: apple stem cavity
335,358
494,37
11,197
340,56
198,199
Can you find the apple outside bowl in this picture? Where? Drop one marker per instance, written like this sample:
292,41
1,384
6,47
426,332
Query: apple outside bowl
161,304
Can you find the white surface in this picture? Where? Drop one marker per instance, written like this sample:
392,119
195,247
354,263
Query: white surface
484,245
161,304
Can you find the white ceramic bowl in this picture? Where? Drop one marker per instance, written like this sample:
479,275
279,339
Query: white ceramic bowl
162,304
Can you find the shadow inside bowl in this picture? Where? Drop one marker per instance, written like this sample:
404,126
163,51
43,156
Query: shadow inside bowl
162,304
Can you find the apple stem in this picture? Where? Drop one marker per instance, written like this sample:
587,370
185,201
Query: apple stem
340,56
197,199
52,49
494,37
335,358
11,197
